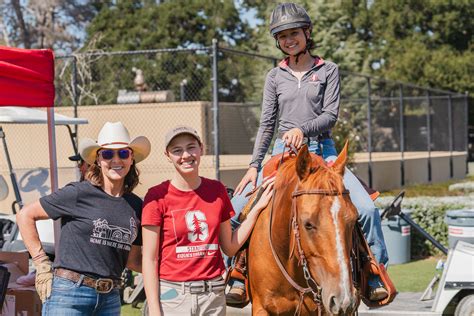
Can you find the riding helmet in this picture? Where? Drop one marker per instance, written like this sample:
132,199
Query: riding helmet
288,16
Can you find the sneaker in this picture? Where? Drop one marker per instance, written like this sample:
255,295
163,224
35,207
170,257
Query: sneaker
376,290
236,295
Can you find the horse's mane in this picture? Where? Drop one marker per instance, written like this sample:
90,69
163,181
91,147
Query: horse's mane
321,175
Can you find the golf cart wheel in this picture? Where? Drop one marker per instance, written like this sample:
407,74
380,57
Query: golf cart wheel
145,308
465,306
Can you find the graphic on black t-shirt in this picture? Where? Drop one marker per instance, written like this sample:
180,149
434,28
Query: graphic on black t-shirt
112,235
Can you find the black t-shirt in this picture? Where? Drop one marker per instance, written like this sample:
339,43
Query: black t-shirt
97,229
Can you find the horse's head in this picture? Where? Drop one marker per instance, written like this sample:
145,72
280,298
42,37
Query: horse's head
326,218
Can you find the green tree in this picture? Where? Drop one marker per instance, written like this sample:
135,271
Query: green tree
132,25
424,42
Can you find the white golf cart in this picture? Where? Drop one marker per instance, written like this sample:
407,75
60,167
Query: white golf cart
11,239
455,287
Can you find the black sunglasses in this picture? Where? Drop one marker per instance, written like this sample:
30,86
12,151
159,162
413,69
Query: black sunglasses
108,154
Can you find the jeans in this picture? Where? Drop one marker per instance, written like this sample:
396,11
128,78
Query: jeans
369,217
70,298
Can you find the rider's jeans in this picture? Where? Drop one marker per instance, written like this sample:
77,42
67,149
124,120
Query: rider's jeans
369,217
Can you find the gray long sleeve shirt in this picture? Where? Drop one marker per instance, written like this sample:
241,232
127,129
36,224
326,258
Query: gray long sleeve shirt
310,104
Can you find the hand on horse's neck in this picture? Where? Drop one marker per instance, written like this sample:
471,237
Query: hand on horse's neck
305,62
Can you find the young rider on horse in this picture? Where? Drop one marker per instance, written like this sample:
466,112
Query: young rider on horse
301,96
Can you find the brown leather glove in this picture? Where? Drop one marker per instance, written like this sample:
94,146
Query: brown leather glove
44,278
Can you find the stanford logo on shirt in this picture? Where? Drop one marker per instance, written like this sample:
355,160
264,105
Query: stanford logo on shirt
197,226
192,235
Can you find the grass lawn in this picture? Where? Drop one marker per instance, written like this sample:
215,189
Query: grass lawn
128,310
413,276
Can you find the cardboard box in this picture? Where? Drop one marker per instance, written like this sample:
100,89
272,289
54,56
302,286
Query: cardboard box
20,300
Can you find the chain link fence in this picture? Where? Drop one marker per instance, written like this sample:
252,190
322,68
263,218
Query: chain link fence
219,91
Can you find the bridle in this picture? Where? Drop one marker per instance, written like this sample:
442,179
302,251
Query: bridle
312,287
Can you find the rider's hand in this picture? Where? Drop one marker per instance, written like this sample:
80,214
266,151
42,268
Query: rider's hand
266,195
250,176
294,137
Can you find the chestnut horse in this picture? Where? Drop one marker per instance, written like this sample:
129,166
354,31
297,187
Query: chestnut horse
299,252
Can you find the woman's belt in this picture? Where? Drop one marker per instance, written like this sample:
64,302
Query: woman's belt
197,287
318,138
101,285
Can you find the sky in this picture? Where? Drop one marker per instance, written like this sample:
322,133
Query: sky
248,15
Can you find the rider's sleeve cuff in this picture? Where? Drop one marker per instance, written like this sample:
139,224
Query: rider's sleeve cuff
256,165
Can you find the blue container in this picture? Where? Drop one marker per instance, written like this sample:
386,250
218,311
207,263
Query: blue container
460,226
397,233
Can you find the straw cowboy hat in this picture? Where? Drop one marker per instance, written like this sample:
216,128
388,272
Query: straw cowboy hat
114,136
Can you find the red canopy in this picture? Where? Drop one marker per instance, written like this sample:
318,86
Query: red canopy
26,77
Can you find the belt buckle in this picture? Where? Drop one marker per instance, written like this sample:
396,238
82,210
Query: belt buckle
200,287
104,286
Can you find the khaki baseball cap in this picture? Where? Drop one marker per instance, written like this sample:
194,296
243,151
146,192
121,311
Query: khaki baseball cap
179,130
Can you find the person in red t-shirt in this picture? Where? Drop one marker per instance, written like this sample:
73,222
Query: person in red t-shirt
186,224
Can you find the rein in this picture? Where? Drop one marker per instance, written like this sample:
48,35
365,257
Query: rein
312,286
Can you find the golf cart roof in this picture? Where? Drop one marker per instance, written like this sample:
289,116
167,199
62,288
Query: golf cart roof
22,115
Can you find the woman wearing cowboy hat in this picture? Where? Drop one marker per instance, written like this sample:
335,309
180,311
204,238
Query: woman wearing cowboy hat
99,228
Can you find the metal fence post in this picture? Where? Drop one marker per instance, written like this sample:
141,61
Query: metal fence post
75,96
451,135
369,130
466,129
215,105
402,137
428,132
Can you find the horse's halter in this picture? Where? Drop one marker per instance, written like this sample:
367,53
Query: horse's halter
312,286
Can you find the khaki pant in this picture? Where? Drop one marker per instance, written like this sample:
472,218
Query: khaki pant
179,301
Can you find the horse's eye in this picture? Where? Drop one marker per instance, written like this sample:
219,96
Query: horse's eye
308,225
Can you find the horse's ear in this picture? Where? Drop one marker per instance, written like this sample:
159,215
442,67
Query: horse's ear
340,163
303,162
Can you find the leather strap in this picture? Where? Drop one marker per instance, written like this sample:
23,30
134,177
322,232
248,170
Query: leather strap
101,285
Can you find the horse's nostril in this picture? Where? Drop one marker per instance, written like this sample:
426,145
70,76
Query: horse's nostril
333,305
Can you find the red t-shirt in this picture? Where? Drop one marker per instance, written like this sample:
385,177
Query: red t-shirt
190,224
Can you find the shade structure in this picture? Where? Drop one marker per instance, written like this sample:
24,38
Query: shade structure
26,77
27,80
